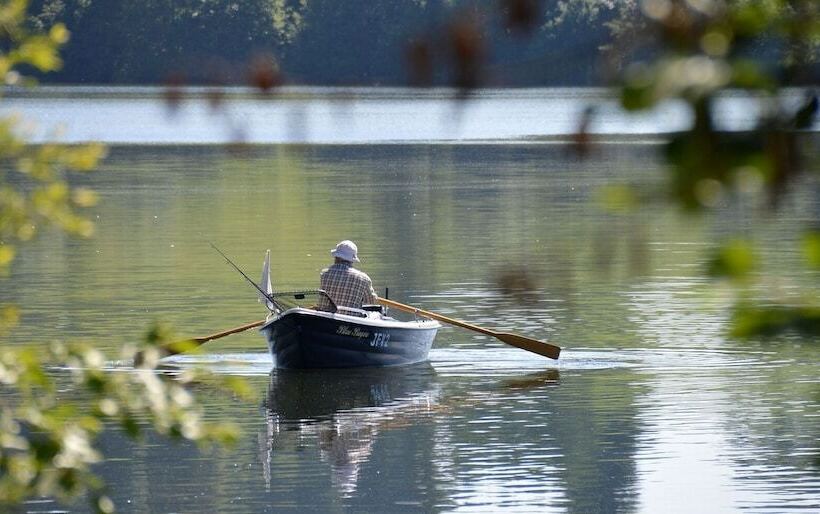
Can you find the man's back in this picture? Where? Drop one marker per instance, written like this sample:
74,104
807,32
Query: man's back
347,286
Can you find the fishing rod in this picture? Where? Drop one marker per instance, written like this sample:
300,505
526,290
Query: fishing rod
266,295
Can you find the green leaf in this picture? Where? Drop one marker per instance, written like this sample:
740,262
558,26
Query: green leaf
751,320
7,254
104,505
84,197
811,249
84,158
636,97
752,18
9,317
617,198
747,73
735,260
130,425
59,34
44,446
158,334
39,52
239,386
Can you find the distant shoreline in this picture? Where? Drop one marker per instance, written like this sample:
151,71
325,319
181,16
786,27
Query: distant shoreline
294,92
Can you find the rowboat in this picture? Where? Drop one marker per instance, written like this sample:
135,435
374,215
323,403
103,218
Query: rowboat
302,337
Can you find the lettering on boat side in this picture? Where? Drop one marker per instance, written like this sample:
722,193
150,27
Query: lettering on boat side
380,340
345,330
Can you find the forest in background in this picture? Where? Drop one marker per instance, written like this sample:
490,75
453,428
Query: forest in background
328,42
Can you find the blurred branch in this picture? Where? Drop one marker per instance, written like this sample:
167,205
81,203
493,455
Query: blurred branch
49,443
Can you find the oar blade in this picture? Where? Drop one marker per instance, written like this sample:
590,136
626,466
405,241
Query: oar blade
531,345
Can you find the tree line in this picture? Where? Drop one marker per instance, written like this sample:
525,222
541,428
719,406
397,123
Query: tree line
321,42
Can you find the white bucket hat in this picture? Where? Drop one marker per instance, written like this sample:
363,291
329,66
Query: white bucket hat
346,250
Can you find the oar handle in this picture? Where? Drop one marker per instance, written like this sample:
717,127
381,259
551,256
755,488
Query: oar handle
228,332
181,346
433,315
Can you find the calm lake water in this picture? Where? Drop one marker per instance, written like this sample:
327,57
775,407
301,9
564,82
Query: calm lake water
651,408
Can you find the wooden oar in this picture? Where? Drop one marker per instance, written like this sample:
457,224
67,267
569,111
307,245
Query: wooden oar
525,343
190,344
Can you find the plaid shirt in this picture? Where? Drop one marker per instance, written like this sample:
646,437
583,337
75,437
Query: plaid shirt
347,286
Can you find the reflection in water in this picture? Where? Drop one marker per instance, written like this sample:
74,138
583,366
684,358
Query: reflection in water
342,412
533,380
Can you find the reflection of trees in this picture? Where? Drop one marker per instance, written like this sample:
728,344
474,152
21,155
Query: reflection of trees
573,443
773,443
598,430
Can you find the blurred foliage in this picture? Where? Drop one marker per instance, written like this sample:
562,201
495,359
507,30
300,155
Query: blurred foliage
811,249
48,438
698,50
752,320
735,260
618,198
691,52
35,181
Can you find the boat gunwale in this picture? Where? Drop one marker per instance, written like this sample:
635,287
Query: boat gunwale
419,324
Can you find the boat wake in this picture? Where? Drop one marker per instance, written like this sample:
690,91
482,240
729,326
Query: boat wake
503,361
246,364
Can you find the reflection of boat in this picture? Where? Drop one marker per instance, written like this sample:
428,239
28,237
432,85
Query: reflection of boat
305,338
342,412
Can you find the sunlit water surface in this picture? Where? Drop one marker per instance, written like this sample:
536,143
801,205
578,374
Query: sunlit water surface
651,408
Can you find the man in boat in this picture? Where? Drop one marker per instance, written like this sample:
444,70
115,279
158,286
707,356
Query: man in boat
347,286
